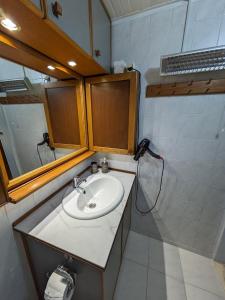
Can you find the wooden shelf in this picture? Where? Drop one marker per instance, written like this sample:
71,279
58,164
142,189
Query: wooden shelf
216,86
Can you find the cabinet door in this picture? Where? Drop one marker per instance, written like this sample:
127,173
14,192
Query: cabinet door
101,28
65,114
112,104
113,267
74,20
126,222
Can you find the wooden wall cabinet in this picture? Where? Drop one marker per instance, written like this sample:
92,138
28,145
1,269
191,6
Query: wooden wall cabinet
66,114
112,104
63,38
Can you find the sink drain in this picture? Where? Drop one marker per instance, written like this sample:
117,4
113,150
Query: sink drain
92,205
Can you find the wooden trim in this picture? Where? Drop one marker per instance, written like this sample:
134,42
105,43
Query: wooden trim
24,97
25,190
44,8
110,78
59,84
48,119
16,182
133,107
3,170
67,146
82,115
20,53
110,150
9,173
20,99
204,87
89,114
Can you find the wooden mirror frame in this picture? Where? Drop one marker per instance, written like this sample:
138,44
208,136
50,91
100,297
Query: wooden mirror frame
14,183
22,186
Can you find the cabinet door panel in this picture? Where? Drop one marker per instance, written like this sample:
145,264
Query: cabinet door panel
112,112
74,20
113,267
101,35
65,114
126,222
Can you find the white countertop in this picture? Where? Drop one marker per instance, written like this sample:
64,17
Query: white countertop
90,240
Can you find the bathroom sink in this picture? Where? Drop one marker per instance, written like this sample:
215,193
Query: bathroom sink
102,194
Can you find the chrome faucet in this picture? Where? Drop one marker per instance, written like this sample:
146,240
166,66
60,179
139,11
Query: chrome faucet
77,182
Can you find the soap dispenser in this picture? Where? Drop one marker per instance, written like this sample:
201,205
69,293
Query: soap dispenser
105,166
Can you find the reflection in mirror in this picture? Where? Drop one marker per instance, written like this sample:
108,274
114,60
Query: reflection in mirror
26,132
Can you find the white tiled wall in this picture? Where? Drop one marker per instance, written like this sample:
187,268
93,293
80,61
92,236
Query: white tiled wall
15,279
187,131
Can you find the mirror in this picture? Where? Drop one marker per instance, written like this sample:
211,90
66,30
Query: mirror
42,120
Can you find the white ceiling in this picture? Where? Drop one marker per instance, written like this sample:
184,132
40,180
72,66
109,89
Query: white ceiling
121,8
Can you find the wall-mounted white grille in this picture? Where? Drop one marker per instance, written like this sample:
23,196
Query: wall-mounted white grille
206,60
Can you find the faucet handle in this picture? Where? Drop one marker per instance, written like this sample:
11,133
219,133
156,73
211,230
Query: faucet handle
75,181
78,180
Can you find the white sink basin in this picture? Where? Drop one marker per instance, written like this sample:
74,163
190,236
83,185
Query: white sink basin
103,194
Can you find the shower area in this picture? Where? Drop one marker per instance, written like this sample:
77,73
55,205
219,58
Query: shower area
184,236
188,131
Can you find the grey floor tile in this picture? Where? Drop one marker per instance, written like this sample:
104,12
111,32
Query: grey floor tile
132,282
200,272
165,258
162,287
194,293
137,248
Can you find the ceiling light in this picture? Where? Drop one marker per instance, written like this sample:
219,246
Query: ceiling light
9,24
72,63
51,67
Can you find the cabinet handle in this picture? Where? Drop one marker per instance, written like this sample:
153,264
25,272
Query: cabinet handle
97,52
56,9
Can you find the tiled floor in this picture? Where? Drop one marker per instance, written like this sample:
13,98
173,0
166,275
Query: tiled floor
152,270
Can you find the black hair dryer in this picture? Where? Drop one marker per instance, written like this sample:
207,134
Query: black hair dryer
142,147
46,141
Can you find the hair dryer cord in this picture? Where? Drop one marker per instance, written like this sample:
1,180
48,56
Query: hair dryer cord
137,188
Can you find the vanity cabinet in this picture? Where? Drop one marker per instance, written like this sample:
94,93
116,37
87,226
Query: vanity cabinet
72,17
93,282
101,30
